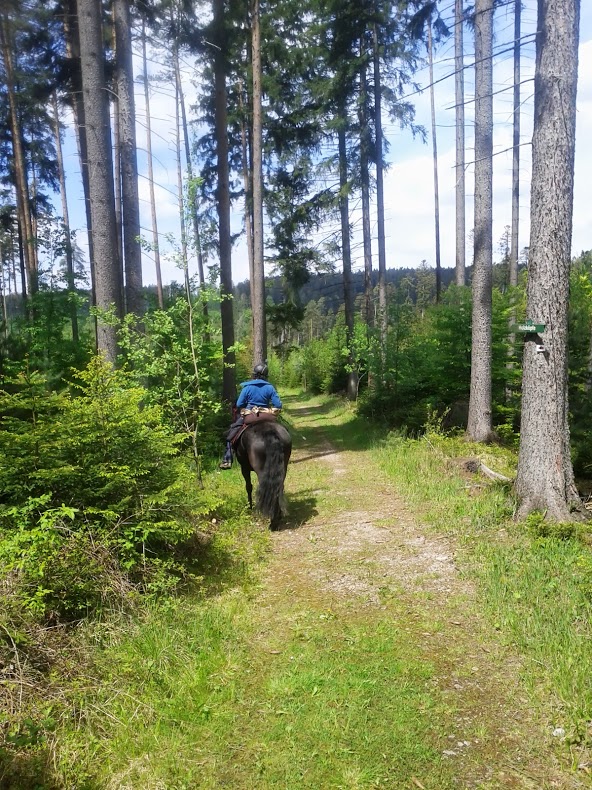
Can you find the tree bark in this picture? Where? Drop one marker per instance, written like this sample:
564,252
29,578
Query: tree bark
382,304
348,297
132,251
248,190
479,427
3,292
22,265
258,284
545,478
65,221
117,175
180,198
513,250
155,241
459,92
435,159
365,143
20,164
223,205
72,38
192,202
513,274
101,190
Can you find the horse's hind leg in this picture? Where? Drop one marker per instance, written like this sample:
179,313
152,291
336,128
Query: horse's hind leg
249,486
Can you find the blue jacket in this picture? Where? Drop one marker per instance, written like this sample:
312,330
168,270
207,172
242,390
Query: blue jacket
258,392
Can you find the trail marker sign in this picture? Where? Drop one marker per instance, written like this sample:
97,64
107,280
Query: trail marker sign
530,328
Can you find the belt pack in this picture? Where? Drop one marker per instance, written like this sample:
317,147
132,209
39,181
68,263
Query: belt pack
260,410
261,415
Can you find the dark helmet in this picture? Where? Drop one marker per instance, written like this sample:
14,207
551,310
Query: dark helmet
261,370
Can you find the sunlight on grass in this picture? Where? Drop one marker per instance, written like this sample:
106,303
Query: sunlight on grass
536,589
342,702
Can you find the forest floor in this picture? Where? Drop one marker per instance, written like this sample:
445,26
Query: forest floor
361,658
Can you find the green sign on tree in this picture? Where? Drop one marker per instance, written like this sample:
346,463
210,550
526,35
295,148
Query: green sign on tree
530,328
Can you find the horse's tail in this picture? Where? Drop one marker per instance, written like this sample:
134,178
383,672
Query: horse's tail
270,491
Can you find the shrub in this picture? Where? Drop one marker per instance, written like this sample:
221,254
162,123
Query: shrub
95,497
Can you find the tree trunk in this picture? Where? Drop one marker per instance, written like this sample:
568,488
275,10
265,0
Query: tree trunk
117,176
132,251
101,190
513,279
191,187
365,143
513,251
223,204
479,426
192,203
155,242
248,190
258,284
13,259
3,292
65,221
545,480
20,164
459,92
382,304
435,156
22,265
348,297
181,201
72,38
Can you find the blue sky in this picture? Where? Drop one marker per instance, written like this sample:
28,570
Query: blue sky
409,180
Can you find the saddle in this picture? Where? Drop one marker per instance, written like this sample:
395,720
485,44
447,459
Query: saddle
253,416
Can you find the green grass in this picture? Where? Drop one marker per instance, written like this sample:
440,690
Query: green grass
536,590
202,698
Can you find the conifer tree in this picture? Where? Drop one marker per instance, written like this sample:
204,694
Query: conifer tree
545,479
480,421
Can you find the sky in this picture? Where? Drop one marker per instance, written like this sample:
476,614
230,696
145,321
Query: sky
409,188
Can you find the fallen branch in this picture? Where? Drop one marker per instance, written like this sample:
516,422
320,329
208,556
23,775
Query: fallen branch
494,475
475,465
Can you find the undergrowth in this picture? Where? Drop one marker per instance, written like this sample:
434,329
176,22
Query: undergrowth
55,679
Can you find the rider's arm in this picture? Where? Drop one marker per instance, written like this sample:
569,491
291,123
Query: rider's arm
242,399
275,398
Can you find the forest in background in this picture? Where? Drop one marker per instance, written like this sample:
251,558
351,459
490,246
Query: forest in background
114,397
287,128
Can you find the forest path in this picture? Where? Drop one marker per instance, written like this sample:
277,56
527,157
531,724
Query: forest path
352,552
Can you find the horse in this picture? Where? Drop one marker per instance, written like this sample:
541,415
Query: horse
265,448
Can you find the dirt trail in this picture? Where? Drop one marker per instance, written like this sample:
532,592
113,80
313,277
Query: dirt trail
366,545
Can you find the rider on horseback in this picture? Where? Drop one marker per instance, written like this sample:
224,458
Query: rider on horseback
257,393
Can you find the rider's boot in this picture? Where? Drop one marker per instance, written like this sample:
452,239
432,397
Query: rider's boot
226,462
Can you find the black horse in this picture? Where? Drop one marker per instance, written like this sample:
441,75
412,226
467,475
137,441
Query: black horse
265,448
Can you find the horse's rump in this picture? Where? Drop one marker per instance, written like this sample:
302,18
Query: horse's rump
265,447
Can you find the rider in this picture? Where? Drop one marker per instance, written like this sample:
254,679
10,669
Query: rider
257,392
